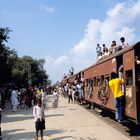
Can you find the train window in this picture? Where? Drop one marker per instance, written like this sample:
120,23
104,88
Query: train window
107,78
94,83
86,82
91,82
102,79
129,77
98,80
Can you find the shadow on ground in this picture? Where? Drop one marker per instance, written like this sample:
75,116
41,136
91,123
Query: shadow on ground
72,109
52,132
54,115
71,138
62,138
9,116
87,138
15,134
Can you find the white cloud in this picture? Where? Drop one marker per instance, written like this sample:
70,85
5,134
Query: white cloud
127,32
134,11
61,60
49,59
47,8
117,10
86,44
56,61
56,67
119,21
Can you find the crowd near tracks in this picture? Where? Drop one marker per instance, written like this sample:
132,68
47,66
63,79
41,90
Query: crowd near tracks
66,122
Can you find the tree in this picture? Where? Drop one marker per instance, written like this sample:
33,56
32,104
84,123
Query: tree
5,52
4,35
28,71
20,71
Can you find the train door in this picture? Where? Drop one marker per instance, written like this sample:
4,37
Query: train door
137,79
129,76
119,60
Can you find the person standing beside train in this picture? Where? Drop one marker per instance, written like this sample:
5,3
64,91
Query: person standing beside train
70,94
115,86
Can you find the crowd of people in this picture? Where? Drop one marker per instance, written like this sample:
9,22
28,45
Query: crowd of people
37,97
73,91
102,52
78,89
27,96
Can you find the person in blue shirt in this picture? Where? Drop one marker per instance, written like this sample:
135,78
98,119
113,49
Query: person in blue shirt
98,50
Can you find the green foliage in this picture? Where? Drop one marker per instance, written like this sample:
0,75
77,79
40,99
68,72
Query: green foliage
27,70
4,34
20,71
4,54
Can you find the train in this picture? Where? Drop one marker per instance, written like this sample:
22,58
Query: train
100,72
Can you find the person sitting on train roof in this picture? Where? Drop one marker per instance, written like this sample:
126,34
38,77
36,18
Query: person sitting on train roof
105,53
113,47
124,43
98,49
100,56
104,48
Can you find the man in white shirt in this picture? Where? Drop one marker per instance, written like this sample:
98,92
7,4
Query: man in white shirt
124,43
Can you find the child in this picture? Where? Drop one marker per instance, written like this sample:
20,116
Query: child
38,113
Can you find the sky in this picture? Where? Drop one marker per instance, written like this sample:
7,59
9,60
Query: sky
65,32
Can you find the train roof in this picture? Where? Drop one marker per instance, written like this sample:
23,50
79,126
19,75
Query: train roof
131,47
72,75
